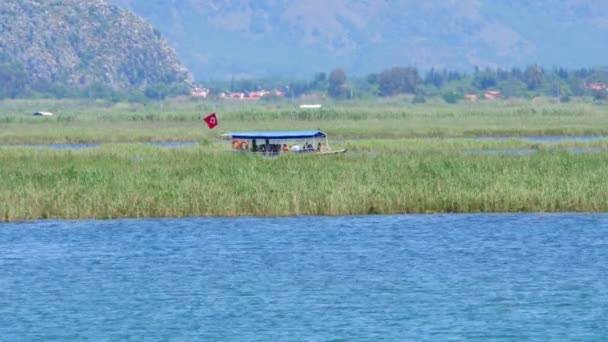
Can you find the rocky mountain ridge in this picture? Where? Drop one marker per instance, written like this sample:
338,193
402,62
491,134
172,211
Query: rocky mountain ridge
77,43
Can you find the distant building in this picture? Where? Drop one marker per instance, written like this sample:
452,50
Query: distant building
256,95
261,93
596,86
200,92
252,95
471,97
492,95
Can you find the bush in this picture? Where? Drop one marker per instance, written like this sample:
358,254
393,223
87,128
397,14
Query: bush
451,97
600,95
398,80
272,98
418,99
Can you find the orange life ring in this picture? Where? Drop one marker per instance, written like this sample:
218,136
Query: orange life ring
236,143
244,145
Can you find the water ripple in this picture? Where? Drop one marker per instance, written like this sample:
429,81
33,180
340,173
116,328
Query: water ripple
415,277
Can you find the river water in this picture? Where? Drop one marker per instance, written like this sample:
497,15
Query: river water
514,277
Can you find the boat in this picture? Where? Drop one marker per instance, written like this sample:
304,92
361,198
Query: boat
43,114
276,143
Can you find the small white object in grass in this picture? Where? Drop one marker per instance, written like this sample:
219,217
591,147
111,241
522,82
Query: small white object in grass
43,114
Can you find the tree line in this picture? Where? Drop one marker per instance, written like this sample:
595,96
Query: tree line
451,85
529,82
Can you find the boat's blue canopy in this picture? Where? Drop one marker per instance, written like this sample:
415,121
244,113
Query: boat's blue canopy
276,135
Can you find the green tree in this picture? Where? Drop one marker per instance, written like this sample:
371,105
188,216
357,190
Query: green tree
372,78
337,80
534,77
451,96
559,88
600,95
435,78
13,81
485,79
157,91
320,77
398,80
319,83
512,88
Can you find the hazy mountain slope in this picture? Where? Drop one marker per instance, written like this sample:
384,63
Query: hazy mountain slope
219,38
77,43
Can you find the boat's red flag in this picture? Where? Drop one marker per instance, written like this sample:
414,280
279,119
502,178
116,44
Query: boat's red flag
211,120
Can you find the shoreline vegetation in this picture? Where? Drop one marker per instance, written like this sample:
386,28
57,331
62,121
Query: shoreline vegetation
405,159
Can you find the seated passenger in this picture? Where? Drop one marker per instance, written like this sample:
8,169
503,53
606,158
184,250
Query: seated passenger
295,148
285,148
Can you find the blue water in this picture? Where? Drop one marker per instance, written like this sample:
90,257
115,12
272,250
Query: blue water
511,152
546,138
76,146
529,151
391,278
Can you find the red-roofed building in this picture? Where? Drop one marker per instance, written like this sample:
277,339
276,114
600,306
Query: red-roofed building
492,95
471,97
200,92
598,86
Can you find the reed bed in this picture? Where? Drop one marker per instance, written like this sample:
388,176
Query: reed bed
402,158
121,181
82,121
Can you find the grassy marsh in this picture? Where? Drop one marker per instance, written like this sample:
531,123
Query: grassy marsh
80,121
405,159
142,181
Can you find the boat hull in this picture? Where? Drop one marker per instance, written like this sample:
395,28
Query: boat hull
302,153
329,153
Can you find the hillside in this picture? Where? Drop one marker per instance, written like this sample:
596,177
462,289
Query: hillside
221,38
78,43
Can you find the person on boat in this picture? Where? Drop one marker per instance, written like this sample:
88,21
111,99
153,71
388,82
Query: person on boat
285,148
319,147
295,148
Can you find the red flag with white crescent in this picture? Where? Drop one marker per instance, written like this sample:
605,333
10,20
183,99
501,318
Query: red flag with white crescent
211,120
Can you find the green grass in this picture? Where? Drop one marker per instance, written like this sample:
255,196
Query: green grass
402,158
140,181
80,121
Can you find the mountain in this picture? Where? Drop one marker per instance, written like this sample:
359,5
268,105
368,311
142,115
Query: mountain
295,38
76,43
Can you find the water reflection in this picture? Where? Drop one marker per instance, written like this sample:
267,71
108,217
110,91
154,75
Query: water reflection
512,152
544,139
58,146
579,150
529,151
